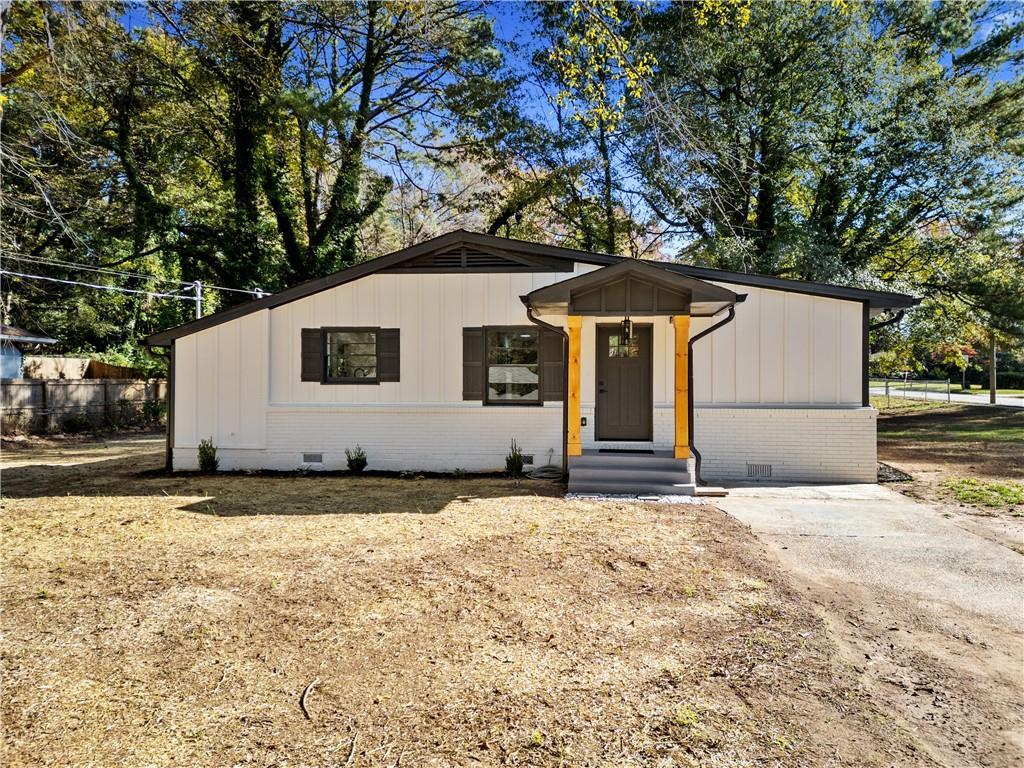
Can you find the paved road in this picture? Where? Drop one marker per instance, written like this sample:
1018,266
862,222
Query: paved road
868,535
979,399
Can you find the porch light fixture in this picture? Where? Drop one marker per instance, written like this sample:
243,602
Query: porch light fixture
625,344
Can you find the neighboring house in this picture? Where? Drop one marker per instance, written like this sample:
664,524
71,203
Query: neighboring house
11,355
438,356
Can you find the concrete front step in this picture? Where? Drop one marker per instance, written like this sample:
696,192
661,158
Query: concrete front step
630,474
670,476
633,489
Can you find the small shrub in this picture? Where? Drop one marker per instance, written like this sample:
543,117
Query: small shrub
74,423
514,461
15,422
153,411
356,459
208,461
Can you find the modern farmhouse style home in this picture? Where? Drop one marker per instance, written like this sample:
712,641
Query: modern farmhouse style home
636,376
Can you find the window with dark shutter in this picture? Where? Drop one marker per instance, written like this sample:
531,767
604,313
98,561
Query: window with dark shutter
388,354
473,364
350,355
552,365
512,365
312,355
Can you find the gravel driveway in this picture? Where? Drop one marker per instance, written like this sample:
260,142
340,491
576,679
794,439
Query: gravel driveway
931,614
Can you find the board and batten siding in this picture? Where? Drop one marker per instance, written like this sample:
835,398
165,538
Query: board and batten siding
419,422
430,310
220,385
781,349
240,382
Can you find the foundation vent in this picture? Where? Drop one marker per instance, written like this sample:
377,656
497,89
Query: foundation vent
759,471
312,458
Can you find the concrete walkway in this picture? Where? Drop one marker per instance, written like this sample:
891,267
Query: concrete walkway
870,536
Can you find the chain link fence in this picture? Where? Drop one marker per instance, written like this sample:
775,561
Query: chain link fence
910,389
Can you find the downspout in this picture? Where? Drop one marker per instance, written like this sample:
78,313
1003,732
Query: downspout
689,375
565,378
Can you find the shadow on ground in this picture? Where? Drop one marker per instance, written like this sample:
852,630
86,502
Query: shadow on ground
134,471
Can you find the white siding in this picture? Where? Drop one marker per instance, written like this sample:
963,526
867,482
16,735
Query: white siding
785,355
220,385
431,311
781,349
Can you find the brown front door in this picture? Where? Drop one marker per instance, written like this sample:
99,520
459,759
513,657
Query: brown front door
625,403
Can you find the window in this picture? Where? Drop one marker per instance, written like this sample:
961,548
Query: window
351,355
512,362
619,347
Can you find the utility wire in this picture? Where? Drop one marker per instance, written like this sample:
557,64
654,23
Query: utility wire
123,273
94,285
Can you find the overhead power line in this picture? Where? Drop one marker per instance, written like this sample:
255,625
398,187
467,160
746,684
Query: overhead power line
94,285
257,292
197,288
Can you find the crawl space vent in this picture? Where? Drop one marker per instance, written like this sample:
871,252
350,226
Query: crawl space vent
528,458
759,471
312,458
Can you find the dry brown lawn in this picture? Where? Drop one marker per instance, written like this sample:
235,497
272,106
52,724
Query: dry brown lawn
153,620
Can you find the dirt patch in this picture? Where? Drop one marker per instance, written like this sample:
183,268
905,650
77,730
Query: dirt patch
938,445
168,621
956,681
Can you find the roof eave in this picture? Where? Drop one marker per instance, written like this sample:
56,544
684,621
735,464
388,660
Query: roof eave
875,299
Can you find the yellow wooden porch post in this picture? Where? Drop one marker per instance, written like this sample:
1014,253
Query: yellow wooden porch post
681,323
573,445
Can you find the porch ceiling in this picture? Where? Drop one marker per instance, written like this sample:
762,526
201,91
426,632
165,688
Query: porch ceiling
632,287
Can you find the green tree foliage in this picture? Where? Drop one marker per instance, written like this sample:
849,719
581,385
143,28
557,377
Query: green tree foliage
261,144
243,144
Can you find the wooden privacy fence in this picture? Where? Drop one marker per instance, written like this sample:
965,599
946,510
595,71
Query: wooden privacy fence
78,405
47,367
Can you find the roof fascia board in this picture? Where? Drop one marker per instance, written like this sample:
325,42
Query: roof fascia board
877,299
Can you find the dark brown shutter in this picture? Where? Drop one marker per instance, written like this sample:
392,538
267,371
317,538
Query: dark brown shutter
473,364
312,355
388,355
552,366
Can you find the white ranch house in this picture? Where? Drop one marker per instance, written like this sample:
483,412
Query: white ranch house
436,357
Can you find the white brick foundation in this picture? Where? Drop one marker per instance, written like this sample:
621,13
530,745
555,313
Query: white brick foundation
801,444
397,437
832,445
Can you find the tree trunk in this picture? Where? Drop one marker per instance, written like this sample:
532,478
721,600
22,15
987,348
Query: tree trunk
609,202
992,384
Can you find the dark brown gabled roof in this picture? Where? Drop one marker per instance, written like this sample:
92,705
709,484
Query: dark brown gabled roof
522,250
21,336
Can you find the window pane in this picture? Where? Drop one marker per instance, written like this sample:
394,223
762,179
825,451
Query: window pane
351,355
512,369
617,349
